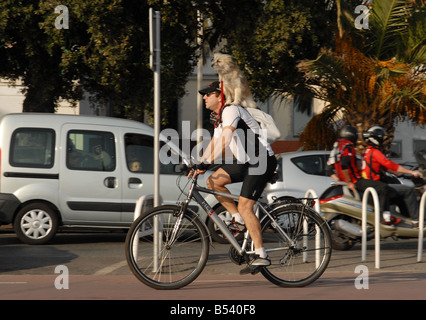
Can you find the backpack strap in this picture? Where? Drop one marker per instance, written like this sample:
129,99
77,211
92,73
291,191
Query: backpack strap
370,164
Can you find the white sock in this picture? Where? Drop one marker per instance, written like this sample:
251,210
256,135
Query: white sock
238,218
261,252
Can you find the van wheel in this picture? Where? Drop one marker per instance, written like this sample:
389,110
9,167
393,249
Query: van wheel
36,223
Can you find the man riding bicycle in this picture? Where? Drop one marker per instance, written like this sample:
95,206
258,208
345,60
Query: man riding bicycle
238,133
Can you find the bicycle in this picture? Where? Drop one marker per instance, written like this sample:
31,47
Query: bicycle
167,247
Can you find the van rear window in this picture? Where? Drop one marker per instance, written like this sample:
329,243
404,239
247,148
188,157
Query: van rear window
33,148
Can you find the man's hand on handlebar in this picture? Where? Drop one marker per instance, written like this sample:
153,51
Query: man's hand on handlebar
197,169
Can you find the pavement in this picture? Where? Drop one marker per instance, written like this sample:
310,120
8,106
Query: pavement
395,256
400,277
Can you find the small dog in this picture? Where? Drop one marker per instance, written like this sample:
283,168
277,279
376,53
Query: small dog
235,84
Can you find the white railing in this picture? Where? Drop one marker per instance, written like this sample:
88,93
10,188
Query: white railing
142,204
376,225
312,193
421,226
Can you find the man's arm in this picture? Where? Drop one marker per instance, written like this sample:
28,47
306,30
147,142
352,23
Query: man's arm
217,146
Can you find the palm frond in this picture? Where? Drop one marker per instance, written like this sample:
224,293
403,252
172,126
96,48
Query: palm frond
413,50
388,25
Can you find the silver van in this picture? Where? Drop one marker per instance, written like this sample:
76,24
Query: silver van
74,171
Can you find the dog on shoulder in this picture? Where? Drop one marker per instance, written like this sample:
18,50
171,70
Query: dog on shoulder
235,84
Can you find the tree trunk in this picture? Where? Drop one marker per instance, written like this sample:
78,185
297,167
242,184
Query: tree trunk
39,99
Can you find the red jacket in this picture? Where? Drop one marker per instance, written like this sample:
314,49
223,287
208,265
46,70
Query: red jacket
347,161
374,161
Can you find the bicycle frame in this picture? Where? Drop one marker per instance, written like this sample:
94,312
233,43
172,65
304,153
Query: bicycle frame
194,192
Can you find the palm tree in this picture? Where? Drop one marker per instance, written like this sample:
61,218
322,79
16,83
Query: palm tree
371,77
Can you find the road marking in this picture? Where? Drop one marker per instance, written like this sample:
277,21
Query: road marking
13,282
219,280
111,268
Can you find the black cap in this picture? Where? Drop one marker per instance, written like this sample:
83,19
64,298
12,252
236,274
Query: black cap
214,86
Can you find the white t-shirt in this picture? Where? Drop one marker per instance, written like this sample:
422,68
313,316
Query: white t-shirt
248,139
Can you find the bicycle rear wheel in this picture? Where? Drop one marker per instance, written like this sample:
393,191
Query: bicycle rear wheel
304,262
162,254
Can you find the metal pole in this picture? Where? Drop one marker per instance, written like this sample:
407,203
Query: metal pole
157,109
155,41
199,83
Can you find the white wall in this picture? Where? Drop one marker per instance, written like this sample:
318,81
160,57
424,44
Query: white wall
405,134
11,98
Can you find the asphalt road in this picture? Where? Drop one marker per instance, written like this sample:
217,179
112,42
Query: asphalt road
92,266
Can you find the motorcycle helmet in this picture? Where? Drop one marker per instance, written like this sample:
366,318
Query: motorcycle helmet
374,136
350,133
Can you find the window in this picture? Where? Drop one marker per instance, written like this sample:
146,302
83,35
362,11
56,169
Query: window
32,147
140,154
419,146
90,150
314,164
395,150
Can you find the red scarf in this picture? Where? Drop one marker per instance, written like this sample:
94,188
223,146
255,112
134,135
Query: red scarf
219,115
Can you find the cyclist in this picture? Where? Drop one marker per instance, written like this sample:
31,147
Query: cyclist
375,163
253,163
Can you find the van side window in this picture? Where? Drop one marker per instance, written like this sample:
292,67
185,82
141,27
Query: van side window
90,150
140,154
33,148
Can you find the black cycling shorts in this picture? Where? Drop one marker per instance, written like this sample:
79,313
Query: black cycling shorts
254,184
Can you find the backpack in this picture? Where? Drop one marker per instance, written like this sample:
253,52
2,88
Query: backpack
335,154
266,122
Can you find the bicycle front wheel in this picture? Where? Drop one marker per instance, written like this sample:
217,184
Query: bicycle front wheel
301,259
164,254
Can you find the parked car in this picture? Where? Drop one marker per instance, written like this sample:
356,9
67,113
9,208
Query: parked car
298,172
77,171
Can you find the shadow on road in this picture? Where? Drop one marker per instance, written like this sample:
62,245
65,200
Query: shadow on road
13,258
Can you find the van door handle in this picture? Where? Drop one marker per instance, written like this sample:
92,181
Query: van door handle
134,183
110,182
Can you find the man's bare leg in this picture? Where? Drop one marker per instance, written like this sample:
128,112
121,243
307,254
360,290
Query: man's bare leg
217,182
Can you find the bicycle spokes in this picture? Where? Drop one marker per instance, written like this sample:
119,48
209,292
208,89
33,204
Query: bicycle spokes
305,250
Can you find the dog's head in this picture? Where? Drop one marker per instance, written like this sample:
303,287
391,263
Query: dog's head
223,63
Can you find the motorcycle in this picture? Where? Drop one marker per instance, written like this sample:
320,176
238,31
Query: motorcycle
343,212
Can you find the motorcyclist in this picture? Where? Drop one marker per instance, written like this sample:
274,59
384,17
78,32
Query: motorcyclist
375,164
345,163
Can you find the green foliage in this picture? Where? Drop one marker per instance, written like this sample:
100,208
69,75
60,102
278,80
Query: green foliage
275,37
105,51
